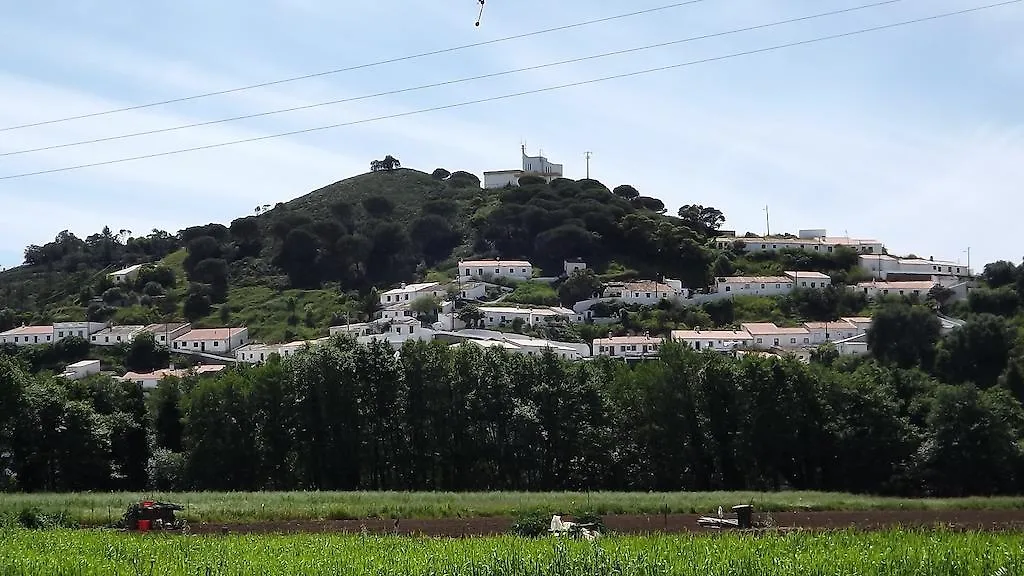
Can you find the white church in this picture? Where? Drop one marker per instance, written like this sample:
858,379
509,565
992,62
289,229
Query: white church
532,166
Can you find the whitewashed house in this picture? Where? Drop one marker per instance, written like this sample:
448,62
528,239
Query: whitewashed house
854,346
754,285
531,165
293,348
115,335
164,334
81,369
256,352
213,340
815,240
862,323
407,293
883,266
498,315
628,347
62,330
396,312
911,288
645,292
28,336
717,340
359,329
570,266
150,380
822,332
807,279
768,335
126,275
521,344
491,269
398,332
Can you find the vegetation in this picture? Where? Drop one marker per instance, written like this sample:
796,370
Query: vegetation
29,553
349,417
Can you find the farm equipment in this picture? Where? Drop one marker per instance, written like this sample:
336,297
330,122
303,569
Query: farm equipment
743,520
149,515
561,527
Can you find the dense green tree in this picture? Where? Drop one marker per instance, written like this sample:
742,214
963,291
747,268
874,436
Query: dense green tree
904,335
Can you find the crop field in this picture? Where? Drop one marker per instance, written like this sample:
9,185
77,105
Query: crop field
95,553
94,509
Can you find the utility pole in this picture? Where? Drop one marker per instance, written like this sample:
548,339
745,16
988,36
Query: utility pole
969,275
587,155
767,222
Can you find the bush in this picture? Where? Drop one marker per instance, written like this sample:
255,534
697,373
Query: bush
35,519
531,524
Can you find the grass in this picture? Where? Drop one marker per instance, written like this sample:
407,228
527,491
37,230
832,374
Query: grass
99,509
67,553
284,316
537,293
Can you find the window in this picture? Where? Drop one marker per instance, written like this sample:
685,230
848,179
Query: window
759,341
762,286
61,333
778,286
807,340
728,288
776,341
648,295
812,285
792,340
216,343
497,270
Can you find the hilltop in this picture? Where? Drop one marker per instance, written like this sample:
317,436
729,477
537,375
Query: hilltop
290,270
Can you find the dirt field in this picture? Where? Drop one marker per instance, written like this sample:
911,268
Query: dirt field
1000,520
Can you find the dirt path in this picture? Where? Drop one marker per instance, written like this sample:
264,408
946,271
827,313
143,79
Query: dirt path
1001,520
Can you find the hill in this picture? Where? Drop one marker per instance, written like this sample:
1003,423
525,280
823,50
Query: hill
289,271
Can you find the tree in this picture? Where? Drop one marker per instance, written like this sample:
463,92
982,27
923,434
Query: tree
1000,273
722,267
298,257
199,249
905,335
440,174
378,206
626,192
388,164
425,307
471,316
213,271
247,235
434,236
144,355
976,352
703,220
197,302
580,285
1002,301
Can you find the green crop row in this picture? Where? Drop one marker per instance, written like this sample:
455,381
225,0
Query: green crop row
99,508
80,553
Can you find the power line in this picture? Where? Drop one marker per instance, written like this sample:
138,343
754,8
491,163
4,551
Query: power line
517,94
451,82
361,66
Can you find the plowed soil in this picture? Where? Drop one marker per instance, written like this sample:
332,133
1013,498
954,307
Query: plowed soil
991,520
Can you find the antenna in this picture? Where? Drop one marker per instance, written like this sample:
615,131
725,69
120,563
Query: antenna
480,16
587,155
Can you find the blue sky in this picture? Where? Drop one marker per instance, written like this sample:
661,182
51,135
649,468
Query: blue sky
914,136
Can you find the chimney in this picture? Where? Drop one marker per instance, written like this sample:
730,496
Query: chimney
931,258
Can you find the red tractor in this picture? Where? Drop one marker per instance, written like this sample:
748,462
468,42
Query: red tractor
149,515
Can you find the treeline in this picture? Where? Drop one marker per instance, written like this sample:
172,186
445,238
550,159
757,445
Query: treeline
345,417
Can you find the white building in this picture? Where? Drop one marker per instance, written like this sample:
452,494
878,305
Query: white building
28,336
164,334
82,369
360,329
810,240
398,332
862,323
812,280
491,269
717,340
520,344
768,335
407,293
498,315
754,285
570,266
882,266
115,335
213,340
150,380
256,352
531,166
854,346
397,312
472,290
914,288
822,332
126,275
628,347
62,330
645,292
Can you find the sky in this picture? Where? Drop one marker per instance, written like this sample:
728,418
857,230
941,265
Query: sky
913,135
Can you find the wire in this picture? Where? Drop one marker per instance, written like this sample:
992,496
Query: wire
449,82
360,66
517,94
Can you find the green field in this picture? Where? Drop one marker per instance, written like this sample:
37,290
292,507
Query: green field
68,553
98,509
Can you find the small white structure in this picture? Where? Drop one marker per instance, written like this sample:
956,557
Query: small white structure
82,369
359,329
807,279
164,334
256,352
570,266
882,266
815,240
854,346
396,312
560,528
768,335
913,288
862,323
62,330
520,344
28,336
472,290
532,166
490,269
717,340
628,347
126,275
219,341
407,293
293,348
398,332
116,335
